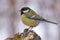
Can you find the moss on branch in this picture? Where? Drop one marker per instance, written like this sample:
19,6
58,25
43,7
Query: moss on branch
26,35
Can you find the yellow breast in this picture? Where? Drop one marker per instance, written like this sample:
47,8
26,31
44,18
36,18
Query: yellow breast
28,22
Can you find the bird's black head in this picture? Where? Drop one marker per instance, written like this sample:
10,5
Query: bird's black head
24,10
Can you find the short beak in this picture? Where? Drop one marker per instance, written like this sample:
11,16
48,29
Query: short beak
19,10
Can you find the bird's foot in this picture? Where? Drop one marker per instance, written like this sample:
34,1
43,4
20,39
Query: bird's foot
28,30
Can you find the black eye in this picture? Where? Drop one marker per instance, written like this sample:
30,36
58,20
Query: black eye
25,8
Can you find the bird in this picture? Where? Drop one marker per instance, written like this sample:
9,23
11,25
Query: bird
30,18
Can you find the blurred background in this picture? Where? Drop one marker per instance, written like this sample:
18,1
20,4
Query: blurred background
10,22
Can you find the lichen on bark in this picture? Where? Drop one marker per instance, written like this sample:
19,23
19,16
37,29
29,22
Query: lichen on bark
26,35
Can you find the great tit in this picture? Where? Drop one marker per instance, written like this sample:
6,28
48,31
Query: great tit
30,18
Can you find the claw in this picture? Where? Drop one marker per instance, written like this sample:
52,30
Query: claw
26,31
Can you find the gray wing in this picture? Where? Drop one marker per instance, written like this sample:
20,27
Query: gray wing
35,17
39,18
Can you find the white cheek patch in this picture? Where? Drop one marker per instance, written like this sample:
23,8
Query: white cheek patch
26,11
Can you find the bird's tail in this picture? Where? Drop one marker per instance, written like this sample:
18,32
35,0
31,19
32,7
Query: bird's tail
49,21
